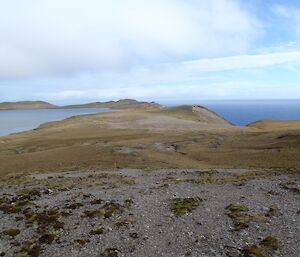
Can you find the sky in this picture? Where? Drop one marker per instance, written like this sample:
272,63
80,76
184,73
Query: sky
169,51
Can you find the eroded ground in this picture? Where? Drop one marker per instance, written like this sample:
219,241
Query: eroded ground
211,212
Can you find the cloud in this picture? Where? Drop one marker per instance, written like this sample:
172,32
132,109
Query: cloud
63,38
76,50
203,78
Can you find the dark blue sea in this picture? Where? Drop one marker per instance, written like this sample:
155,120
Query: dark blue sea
243,112
12,121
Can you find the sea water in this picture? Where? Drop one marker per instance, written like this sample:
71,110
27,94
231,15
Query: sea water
243,112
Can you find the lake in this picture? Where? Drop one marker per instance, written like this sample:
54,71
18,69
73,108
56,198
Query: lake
12,121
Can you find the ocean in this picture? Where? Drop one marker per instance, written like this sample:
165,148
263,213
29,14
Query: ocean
12,121
243,112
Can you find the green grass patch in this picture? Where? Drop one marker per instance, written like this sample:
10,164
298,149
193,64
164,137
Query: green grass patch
181,206
237,208
11,232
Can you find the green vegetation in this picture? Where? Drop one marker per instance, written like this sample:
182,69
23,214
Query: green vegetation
234,208
81,241
110,252
30,249
74,206
108,210
98,231
271,243
8,208
238,213
253,251
181,206
124,223
28,194
241,218
291,186
273,211
44,219
46,238
11,232
267,247
96,201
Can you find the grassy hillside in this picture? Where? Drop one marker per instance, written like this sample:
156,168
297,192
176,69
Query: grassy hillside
180,137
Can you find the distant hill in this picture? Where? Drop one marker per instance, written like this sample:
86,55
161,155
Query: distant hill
26,105
121,104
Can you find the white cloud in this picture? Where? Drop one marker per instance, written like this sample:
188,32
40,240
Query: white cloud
183,80
85,50
65,37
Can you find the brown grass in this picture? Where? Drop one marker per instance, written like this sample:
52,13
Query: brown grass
88,142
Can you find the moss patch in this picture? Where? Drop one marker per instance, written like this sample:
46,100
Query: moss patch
96,201
267,247
46,239
181,206
273,211
241,218
124,223
98,231
253,251
110,252
44,219
238,213
234,208
81,241
11,232
29,248
270,242
106,211
74,206
28,194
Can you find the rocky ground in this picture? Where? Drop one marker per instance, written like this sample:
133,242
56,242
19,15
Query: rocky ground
212,212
